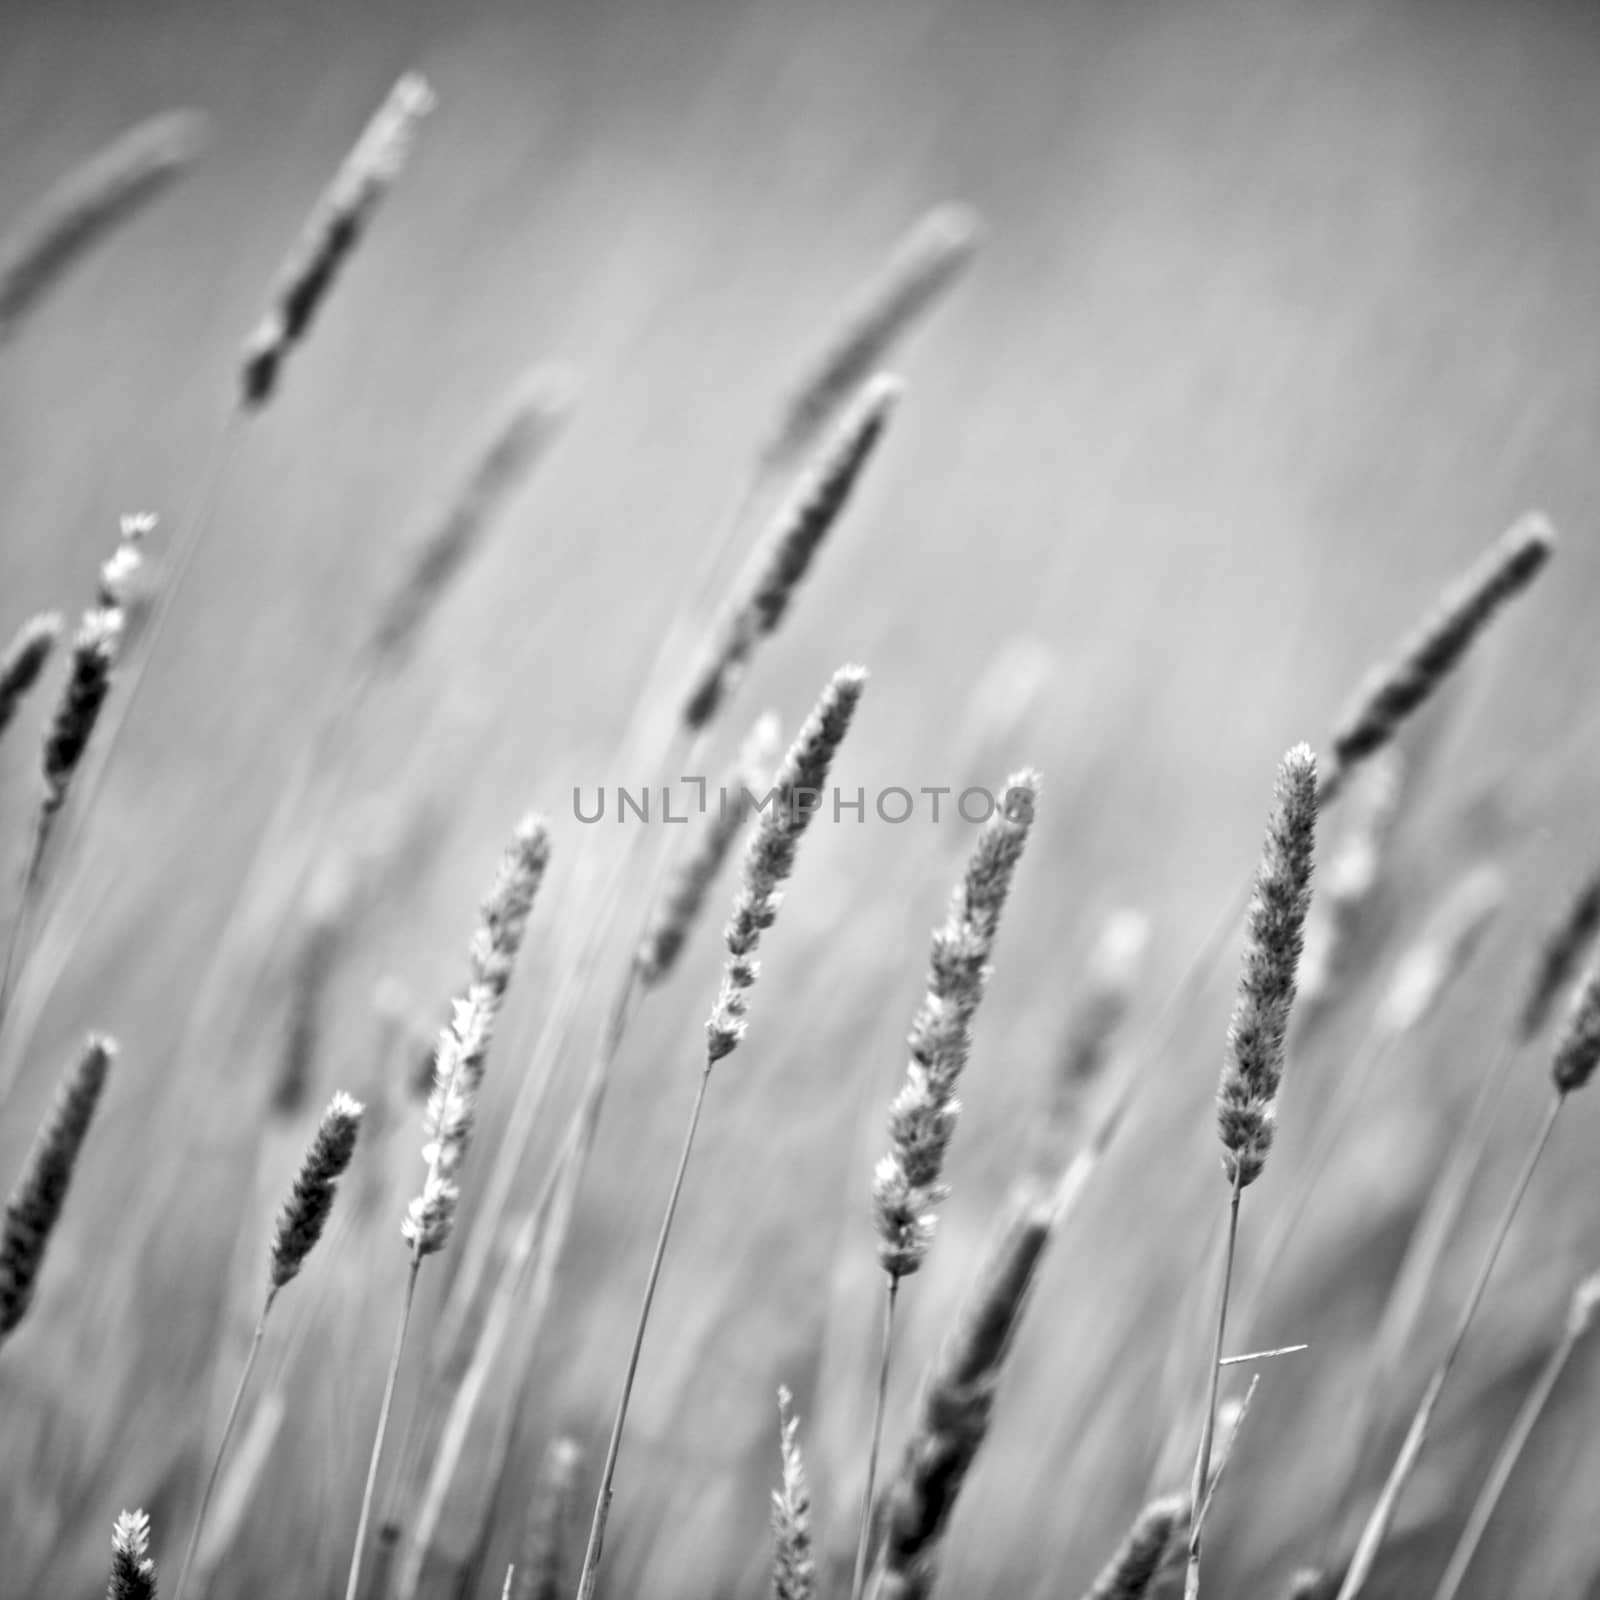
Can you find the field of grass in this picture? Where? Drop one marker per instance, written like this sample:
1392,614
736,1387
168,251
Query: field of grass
1280,316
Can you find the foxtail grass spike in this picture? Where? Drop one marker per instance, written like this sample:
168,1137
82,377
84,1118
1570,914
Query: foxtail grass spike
1396,688
908,1184
678,909
1110,985
332,232
133,1573
90,203
794,1570
24,660
956,1407
464,1045
306,1211
928,261
1565,949
315,968
35,1205
532,421
1130,1572
791,546
770,855
1274,936
1578,1052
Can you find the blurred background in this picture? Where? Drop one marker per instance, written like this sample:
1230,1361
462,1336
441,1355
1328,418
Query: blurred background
1282,313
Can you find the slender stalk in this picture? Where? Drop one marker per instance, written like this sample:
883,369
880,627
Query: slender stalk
222,1445
1208,1428
864,1537
590,1576
352,1588
1483,1508
1377,1525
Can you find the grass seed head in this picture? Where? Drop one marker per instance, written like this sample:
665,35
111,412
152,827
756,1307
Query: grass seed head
925,265
770,855
907,1186
133,1573
1443,951
1396,688
1131,1571
956,1404
794,1569
791,546
1578,1052
334,229
36,1202
90,203
1564,951
464,1046
310,1201
24,660
1274,934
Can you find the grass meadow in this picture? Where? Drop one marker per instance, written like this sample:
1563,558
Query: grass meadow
1279,317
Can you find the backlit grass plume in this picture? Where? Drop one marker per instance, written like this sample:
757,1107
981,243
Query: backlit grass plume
791,545
1129,1573
769,859
452,1108
1396,688
133,1573
928,261
794,1569
908,1185
40,1192
1253,1065
332,232
956,1405
678,907
90,203
464,1046
24,659
531,422
94,655
299,1226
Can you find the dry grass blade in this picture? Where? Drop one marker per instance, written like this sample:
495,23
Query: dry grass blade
957,1405
36,1201
334,229
1580,1317
1395,689
24,659
925,265
90,203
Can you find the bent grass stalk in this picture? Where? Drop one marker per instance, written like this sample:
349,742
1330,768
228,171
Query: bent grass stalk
768,862
1580,1317
1382,1515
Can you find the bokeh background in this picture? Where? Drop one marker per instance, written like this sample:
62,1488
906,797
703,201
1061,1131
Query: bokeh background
1283,312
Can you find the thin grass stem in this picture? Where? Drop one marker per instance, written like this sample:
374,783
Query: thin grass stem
880,1405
